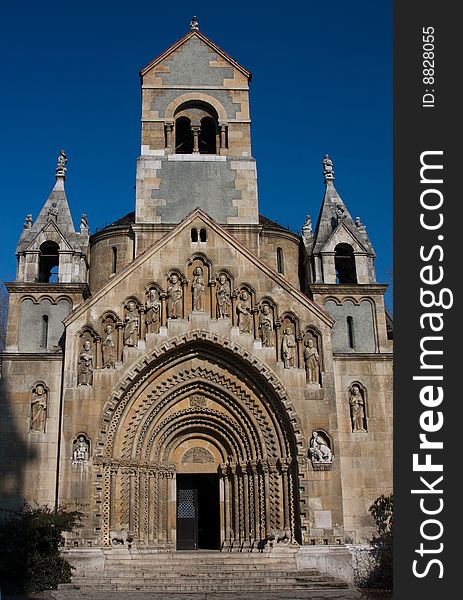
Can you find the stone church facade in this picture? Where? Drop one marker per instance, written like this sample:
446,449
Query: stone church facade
194,373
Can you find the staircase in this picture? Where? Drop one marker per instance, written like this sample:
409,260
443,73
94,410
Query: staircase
200,571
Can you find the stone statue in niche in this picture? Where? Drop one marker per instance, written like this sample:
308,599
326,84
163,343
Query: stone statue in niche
174,297
153,311
266,326
109,348
223,298
81,451
199,289
319,450
312,361
85,365
357,409
288,347
243,308
131,325
39,408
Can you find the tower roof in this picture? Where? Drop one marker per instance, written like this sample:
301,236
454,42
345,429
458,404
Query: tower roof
334,212
192,34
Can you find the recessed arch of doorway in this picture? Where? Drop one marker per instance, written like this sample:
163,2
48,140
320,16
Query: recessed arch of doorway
215,396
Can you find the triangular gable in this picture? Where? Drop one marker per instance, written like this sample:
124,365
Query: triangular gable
149,252
343,234
204,39
49,226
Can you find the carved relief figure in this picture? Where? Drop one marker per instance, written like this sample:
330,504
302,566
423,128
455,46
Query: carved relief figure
80,454
199,288
85,365
109,348
53,212
131,325
357,409
61,163
319,450
223,298
39,408
243,308
174,298
288,347
312,361
266,326
153,311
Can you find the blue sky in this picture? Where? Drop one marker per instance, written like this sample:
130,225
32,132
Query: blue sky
322,83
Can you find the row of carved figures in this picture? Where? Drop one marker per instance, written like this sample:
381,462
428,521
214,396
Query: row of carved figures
292,346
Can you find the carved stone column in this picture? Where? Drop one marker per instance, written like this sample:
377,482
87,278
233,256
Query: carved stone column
195,129
278,339
300,351
236,505
133,502
223,135
265,470
169,128
255,316
141,310
247,508
233,296
223,470
120,339
112,495
284,466
212,286
184,283
255,481
98,355
163,296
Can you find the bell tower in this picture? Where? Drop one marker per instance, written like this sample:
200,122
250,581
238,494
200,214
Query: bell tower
195,136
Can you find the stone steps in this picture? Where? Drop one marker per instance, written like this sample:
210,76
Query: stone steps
200,572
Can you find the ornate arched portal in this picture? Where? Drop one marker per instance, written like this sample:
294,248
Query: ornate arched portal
199,404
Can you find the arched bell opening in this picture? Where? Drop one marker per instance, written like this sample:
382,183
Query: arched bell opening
49,262
200,417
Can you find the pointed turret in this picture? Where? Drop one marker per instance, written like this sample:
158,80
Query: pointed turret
341,250
50,250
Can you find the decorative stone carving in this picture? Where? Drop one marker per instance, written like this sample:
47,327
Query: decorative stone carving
194,25
223,297
174,297
198,401
288,348
243,308
53,212
197,455
357,409
61,164
153,311
131,326
109,348
360,226
39,408
85,365
307,227
199,288
340,213
266,326
320,452
28,222
83,222
328,171
312,361
81,450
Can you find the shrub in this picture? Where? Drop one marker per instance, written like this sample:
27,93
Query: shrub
382,511
30,560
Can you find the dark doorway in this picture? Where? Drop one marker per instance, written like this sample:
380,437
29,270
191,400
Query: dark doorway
198,514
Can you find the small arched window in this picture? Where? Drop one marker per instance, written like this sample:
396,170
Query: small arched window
208,136
114,260
280,261
344,264
350,332
203,235
183,136
44,332
48,262
194,235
